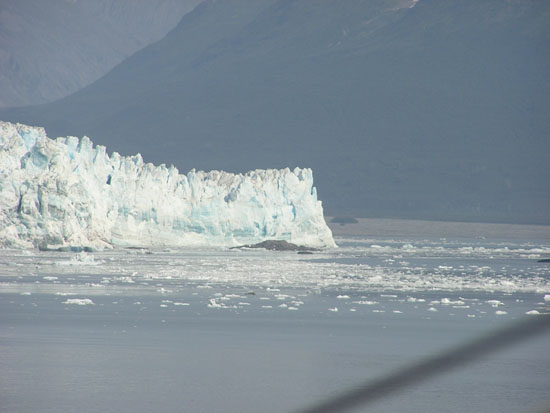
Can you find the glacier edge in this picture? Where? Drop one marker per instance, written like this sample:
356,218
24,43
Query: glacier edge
66,192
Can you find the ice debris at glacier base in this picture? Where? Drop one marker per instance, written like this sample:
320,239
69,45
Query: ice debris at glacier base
66,192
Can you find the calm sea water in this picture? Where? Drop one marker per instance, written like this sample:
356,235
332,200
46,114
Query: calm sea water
247,331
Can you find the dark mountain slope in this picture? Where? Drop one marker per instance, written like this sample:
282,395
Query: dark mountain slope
436,111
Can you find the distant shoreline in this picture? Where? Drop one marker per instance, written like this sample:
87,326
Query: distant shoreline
388,227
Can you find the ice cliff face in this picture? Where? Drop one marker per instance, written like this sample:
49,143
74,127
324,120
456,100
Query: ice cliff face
66,192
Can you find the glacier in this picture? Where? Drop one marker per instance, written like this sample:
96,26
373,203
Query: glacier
66,192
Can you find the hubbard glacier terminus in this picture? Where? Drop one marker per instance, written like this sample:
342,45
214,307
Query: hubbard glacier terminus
66,192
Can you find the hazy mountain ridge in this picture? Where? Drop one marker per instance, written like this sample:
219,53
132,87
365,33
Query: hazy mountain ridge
435,111
49,49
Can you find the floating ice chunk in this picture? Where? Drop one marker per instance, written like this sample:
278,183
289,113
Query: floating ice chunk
343,297
127,280
79,301
282,297
500,312
547,297
334,310
81,258
25,293
432,309
214,303
532,312
415,300
494,303
448,301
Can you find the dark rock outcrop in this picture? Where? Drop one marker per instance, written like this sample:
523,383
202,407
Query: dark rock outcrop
279,245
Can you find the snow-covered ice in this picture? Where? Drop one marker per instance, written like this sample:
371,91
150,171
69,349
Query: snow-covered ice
66,192
79,301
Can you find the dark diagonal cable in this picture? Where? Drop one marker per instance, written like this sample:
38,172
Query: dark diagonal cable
372,390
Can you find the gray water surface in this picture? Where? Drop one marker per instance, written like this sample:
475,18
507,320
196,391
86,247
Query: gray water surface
218,330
